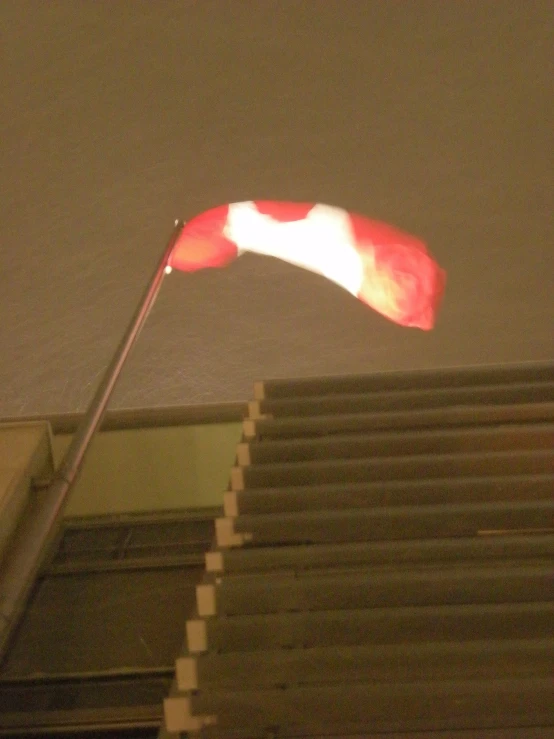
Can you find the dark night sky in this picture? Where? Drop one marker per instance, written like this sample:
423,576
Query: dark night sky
118,117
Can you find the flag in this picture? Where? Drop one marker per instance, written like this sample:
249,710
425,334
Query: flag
390,271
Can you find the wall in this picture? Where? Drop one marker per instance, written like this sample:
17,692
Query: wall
153,469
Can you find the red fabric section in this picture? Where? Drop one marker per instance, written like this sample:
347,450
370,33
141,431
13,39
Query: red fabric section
401,280
283,212
202,243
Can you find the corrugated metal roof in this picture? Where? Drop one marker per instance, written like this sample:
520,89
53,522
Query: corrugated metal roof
384,564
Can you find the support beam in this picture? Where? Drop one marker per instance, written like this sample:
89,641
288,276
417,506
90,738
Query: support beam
226,536
206,600
197,636
178,716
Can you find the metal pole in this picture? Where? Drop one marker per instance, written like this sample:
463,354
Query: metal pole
42,521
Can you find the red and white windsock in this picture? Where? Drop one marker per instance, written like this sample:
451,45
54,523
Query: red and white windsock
385,268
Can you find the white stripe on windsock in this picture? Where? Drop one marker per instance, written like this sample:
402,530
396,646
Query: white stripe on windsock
323,242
